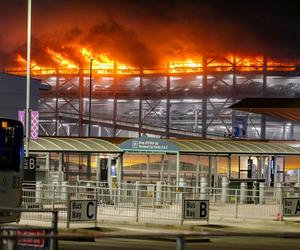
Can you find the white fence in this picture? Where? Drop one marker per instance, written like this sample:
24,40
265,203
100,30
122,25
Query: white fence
149,202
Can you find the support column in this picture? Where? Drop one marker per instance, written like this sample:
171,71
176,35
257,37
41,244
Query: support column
264,92
81,109
268,172
234,93
114,131
197,171
216,177
260,163
177,168
229,166
60,162
148,167
47,162
98,170
210,162
168,105
204,96
141,102
239,163
275,171
56,103
162,168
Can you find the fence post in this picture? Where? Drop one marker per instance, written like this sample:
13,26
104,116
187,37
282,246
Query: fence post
53,241
236,204
53,196
137,206
68,210
180,242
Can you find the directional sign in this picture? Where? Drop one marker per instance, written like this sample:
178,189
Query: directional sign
82,210
291,206
195,209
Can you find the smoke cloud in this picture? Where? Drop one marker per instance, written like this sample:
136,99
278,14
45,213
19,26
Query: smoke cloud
150,32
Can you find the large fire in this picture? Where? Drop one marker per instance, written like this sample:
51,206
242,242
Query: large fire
102,64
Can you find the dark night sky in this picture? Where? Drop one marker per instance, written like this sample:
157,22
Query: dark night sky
146,31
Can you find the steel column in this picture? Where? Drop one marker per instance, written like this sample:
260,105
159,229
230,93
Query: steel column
56,103
204,96
168,105
141,103
114,131
264,91
81,93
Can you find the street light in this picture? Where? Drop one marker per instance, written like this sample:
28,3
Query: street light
90,97
27,117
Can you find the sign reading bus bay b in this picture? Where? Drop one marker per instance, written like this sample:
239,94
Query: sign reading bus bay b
195,209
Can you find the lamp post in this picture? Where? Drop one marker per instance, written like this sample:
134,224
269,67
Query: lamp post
90,96
27,117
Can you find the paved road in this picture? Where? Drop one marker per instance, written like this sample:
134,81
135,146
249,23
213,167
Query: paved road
222,243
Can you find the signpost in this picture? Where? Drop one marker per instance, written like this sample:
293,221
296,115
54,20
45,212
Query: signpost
195,210
291,206
82,210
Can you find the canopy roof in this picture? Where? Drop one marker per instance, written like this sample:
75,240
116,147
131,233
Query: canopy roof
152,145
283,108
69,144
233,147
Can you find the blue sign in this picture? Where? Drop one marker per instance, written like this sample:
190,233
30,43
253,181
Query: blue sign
145,144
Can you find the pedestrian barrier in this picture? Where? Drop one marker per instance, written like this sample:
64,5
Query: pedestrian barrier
144,202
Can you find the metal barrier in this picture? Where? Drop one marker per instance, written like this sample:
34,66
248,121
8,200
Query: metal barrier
11,235
142,202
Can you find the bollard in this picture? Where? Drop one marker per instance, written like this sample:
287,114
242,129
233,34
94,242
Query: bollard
225,184
243,195
203,188
262,193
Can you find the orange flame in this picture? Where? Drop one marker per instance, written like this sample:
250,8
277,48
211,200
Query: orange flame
103,64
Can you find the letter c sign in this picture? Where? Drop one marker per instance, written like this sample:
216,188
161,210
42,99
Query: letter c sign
90,214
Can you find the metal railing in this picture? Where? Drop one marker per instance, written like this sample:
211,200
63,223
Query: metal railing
149,202
11,235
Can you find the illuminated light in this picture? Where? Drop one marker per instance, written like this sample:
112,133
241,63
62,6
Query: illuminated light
4,124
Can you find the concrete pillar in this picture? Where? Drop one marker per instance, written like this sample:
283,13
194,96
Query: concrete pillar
60,162
225,185
148,168
229,167
210,164
216,177
162,168
262,193
203,188
278,191
158,193
243,193
268,172
98,170
197,172
177,167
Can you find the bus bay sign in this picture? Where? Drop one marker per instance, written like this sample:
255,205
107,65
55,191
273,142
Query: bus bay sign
195,209
82,210
291,207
